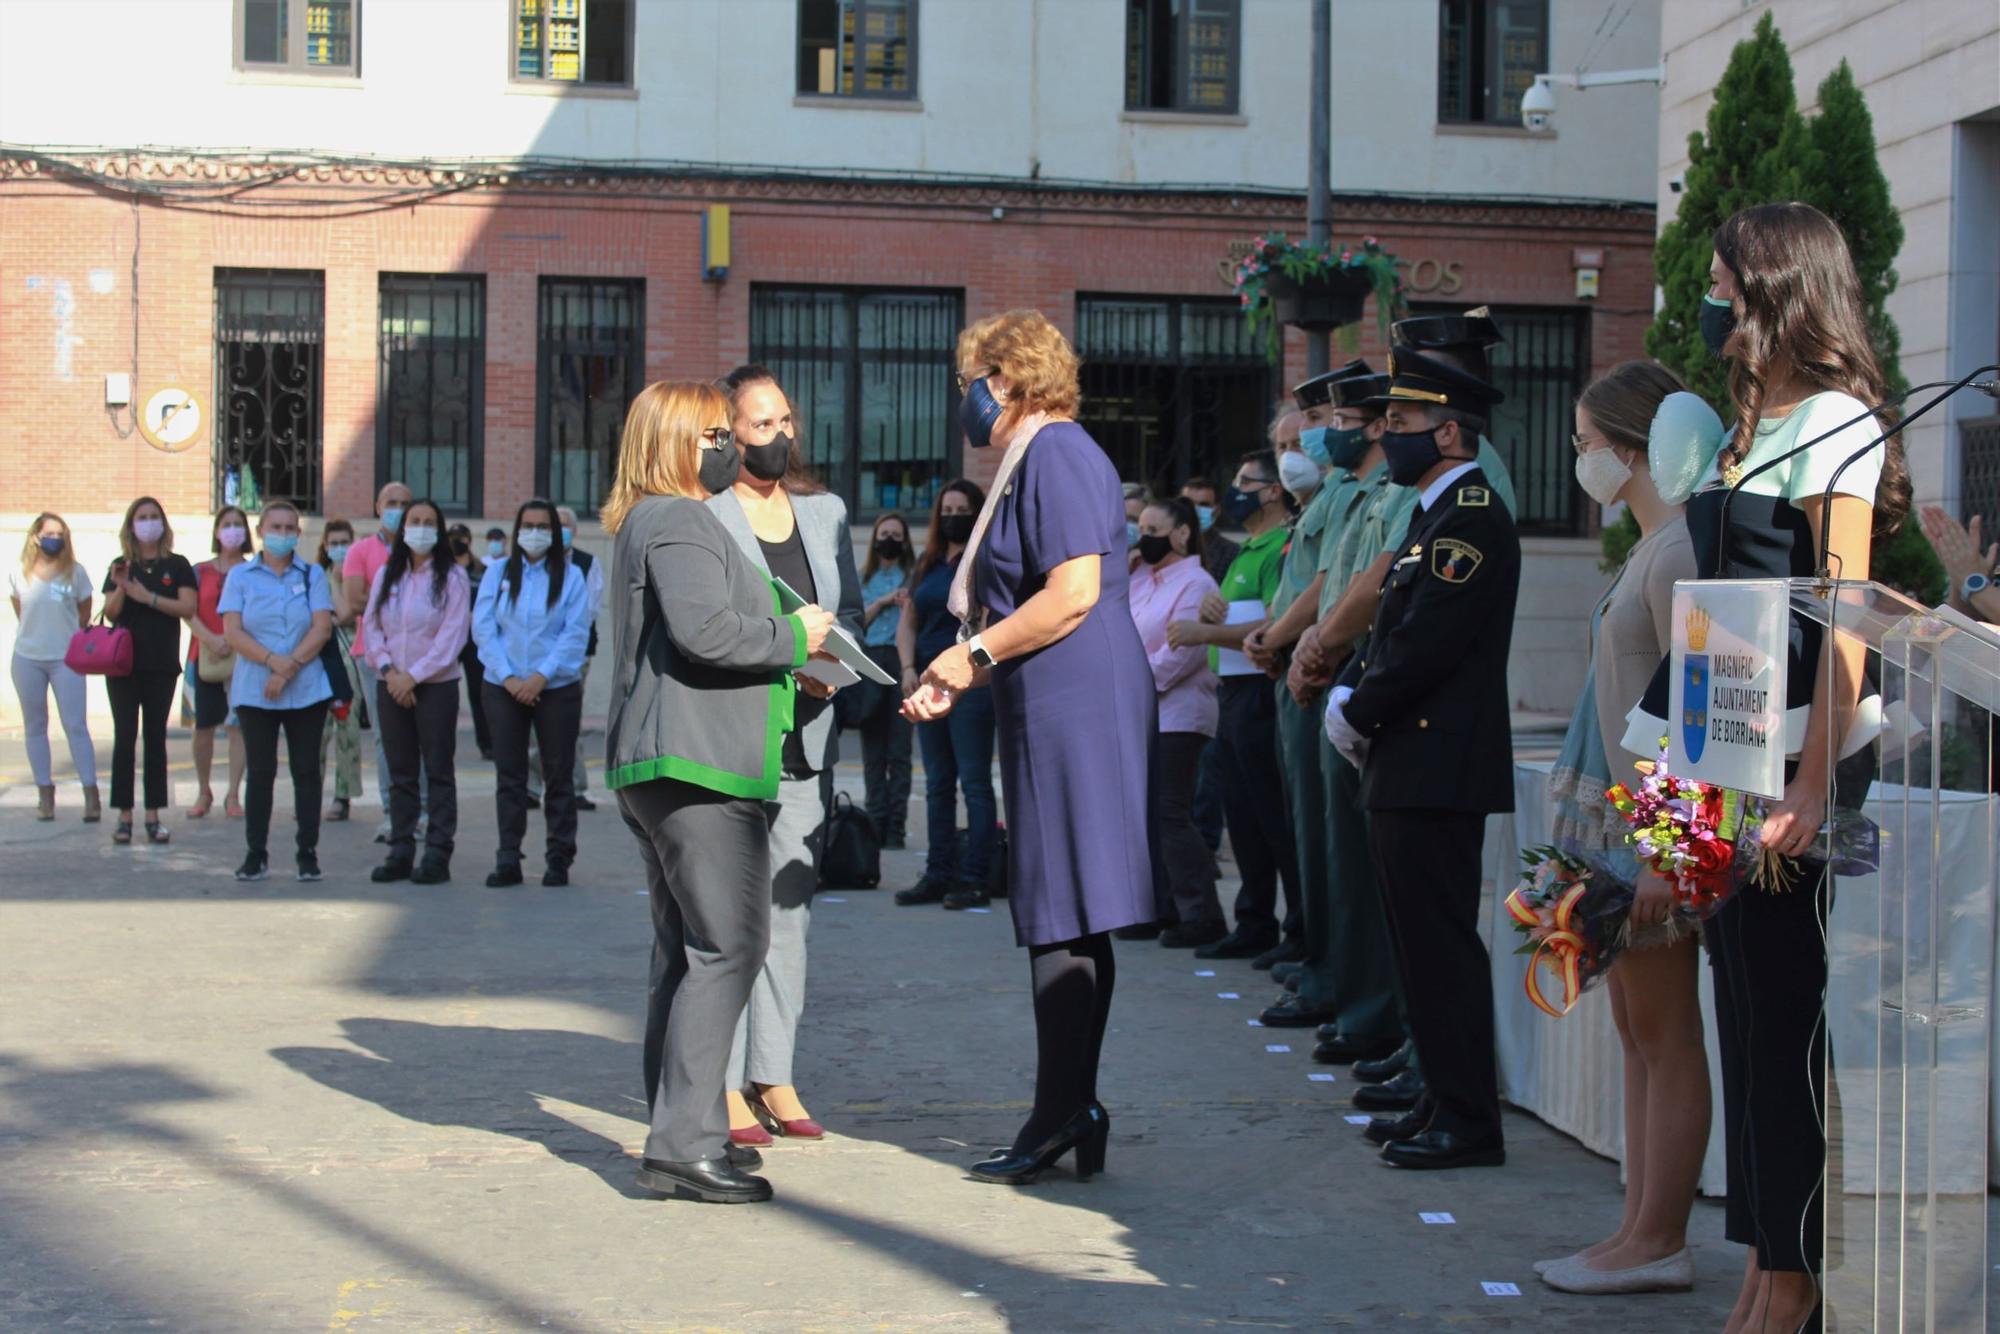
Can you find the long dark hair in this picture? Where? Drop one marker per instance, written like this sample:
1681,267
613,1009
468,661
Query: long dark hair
934,544
326,533
557,558
249,547
798,478
401,558
1803,315
873,562
1181,514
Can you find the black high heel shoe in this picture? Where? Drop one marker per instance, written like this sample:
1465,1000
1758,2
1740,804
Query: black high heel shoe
1088,1132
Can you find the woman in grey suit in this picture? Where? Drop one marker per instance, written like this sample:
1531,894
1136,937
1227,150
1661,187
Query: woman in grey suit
703,697
790,527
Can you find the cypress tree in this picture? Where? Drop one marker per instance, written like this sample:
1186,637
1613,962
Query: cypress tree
1757,149
1851,189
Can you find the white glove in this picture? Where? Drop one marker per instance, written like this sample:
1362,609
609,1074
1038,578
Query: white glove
1352,746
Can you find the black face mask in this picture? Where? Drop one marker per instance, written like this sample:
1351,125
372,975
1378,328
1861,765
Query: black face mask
1718,321
767,463
889,549
719,467
1238,505
955,528
1410,454
1155,547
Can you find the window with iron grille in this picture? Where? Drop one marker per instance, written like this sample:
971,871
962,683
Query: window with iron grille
430,387
1182,55
869,375
1489,52
269,364
299,36
1173,387
1541,365
580,42
858,48
589,365
1979,472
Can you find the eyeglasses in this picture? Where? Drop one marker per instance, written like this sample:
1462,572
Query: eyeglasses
717,437
1581,443
959,376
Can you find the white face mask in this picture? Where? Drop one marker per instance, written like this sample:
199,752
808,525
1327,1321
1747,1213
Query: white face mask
534,541
420,537
1602,474
1297,473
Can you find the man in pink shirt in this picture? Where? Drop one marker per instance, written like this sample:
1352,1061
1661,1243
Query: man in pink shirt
357,573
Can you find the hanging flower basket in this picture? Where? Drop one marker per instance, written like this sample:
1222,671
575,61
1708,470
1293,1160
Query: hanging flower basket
1317,288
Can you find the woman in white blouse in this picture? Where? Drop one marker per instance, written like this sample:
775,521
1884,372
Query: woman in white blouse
51,597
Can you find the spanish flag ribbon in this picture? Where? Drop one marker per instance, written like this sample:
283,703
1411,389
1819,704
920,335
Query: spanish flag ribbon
1563,950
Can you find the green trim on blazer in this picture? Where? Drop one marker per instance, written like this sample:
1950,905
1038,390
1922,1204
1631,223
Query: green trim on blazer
778,720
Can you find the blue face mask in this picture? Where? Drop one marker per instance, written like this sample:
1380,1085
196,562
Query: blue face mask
1206,515
1131,533
569,536
52,546
1312,443
977,413
284,544
392,519
496,550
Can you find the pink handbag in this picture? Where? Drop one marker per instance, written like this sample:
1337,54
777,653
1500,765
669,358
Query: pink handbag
100,650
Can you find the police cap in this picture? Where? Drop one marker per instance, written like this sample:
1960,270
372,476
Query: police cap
1319,389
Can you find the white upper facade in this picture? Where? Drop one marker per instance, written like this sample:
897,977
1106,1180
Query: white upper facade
1002,88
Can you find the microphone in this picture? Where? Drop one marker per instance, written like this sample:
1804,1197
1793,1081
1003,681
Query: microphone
1991,389
1722,526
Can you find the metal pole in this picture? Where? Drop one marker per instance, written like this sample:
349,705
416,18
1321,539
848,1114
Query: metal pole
1319,190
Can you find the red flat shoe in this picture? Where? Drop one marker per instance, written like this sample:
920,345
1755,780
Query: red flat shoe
803,1128
755,1137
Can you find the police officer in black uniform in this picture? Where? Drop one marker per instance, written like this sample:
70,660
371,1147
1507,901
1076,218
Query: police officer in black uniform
1424,713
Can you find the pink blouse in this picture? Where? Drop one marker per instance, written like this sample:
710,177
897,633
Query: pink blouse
1181,675
415,634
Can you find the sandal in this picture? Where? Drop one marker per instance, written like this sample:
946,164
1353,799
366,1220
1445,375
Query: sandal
123,833
156,834
232,808
200,810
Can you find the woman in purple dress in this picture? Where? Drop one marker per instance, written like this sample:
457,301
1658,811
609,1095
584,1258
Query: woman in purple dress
1042,588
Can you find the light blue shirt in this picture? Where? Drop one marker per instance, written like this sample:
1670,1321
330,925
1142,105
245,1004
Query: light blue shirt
520,636
277,609
882,630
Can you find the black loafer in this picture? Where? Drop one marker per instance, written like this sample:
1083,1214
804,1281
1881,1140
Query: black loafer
1344,1050
1235,945
1435,1150
1285,951
501,877
930,889
1374,1072
1396,1129
966,894
1397,1095
1286,974
1291,1012
714,1180
743,1158
434,871
555,877
1188,936
390,871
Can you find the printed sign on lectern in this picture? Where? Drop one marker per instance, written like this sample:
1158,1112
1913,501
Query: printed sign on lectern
1726,715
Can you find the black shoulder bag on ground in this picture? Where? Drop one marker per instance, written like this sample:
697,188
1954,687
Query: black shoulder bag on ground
851,851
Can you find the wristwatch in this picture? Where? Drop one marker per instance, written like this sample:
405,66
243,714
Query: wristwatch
980,657
1974,583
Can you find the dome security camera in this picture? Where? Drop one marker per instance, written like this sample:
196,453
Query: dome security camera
1538,108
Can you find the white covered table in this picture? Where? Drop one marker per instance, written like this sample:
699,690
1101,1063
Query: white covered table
1569,1071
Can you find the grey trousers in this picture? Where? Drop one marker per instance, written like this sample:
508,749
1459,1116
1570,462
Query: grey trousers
708,865
768,1031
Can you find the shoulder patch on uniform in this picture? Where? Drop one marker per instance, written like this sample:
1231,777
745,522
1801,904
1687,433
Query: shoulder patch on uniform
1474,497
1454,561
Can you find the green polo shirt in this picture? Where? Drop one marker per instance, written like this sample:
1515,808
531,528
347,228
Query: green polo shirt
1254,574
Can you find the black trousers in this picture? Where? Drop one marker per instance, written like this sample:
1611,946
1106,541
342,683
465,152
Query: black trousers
555,718
885,747
1253,803
419,741
1427,863
475,695
302,729
140,707
1184,870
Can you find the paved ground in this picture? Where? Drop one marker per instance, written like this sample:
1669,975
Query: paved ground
345,1107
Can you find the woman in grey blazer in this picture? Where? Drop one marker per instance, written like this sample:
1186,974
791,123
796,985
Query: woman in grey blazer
699,710
791,527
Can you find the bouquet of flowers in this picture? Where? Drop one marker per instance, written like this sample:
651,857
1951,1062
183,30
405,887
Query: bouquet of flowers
1572,921
1678,831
